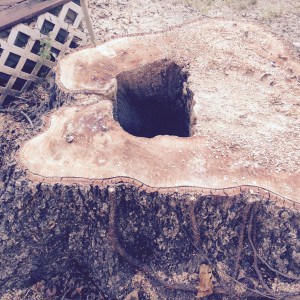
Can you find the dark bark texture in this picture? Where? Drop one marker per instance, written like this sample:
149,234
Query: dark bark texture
117,235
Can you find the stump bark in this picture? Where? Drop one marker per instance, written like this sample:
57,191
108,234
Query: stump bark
149,215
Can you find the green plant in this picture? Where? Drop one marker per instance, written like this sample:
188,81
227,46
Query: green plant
45,50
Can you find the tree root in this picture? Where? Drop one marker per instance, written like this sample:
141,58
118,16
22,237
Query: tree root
220,289
193,219
256,255
133,261
292,277
257,270
240,248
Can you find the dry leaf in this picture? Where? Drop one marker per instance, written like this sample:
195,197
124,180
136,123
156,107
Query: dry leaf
205,286
76,292
132,296
50,293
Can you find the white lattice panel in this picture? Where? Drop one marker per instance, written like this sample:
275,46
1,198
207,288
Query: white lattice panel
20,63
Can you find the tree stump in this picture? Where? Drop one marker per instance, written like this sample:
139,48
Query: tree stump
173,171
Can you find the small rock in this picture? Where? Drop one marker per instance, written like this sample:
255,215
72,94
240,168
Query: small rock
69,138
104,128
296,44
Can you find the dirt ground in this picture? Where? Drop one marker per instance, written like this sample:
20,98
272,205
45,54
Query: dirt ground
115,18
119,18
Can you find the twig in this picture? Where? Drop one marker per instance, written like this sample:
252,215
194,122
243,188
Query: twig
23,99
27,292
255,254
7,111
27,118
292,277
26,132
194,222
257,292
36,111
258,272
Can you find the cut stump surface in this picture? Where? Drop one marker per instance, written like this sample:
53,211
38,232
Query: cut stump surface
242,93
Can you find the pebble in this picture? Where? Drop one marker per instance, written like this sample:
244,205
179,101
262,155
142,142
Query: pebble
104,128
69,138
296,44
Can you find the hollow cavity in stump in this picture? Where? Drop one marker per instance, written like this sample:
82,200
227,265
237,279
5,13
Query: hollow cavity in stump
153,100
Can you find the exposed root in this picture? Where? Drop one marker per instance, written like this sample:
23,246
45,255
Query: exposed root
222,288
133,261
193,219
257,270
271,293
292,277
241,240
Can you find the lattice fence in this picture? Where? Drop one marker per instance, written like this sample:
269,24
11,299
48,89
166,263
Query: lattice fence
20,60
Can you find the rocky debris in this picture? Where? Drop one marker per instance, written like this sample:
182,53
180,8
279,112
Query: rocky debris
119,18
70,138
296,44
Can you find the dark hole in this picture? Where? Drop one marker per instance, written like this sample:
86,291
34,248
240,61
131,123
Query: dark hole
1,51
4,78
55,11
21,40
30,21
47,27
7,101
30,86
43,71
4,34
12,60
36,47
75,42
54,53
151,100
19,84
62,36
80,26
77,2
29,66
71,16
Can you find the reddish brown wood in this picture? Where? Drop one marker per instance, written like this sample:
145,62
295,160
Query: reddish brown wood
16,11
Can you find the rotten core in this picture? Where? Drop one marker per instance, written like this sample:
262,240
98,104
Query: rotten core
153,100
